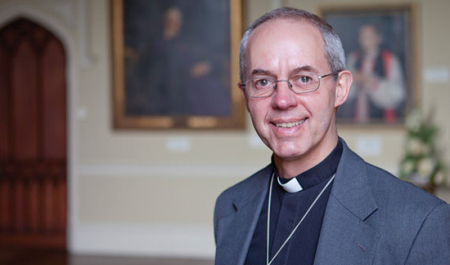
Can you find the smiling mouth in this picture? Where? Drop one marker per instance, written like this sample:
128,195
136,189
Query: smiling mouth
289,124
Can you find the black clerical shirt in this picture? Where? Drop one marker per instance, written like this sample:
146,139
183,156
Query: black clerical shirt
286,211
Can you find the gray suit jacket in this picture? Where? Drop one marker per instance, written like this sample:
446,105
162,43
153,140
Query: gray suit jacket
371,218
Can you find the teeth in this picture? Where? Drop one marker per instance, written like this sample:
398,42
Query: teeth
289,124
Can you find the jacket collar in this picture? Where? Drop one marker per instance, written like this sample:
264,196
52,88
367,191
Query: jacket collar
351,186
240,226
345,238
260,183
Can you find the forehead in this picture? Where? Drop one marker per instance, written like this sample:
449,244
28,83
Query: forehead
368,30
285,43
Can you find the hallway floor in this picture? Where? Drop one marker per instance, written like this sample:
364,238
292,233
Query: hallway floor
52,257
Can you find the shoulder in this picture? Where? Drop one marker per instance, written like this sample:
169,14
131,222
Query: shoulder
393,191
389,56
242,191
396,200
410,219
407,207
403,215
242,188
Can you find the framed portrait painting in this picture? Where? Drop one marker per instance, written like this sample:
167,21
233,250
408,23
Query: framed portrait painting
175,64
380,49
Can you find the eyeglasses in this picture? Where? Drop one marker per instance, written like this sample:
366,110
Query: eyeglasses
304,82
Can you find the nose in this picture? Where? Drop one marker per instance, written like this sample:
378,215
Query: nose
283,97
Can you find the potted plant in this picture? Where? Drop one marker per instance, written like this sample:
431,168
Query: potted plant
422,163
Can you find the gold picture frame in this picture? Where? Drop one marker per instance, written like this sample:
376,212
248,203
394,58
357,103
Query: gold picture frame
397,26
142,95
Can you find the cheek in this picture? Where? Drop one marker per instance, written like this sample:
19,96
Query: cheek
255,115
322,109
320,101
257,111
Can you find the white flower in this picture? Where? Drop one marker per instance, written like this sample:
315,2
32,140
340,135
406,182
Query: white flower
415,146
425,166
439,178
408,167
414,120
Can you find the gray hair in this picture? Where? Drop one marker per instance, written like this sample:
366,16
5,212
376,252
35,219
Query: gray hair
333,45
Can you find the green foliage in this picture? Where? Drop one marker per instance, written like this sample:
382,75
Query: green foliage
421,162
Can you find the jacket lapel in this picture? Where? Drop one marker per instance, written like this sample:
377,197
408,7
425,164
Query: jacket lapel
240,226
345,238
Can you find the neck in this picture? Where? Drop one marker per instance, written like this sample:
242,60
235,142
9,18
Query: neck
372,52
292,167
169,35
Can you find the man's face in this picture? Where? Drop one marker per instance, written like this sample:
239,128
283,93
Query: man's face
369,39
173,22
293,126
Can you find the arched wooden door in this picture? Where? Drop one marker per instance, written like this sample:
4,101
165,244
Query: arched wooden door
33,189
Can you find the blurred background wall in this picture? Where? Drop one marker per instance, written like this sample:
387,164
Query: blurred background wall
153,192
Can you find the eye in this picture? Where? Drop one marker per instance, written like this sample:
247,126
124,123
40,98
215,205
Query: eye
262,83
303,79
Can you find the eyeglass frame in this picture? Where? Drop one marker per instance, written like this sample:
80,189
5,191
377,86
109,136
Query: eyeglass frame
290,85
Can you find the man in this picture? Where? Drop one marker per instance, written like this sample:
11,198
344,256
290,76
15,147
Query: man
317,202
174,75
379,90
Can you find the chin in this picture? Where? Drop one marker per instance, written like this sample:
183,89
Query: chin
289,152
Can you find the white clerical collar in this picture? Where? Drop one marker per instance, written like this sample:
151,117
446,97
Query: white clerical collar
292,186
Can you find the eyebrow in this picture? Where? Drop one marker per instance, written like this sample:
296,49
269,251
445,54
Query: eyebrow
303,68
259,71
297,70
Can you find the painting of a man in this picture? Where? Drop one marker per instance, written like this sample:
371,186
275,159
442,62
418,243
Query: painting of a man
177,59
379,87
379,47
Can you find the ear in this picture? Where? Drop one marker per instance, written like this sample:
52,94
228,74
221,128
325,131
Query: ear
244,94
343,85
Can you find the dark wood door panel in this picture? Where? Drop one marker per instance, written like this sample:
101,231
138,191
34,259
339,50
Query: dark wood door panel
54,104
4,105
33,137
24,102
